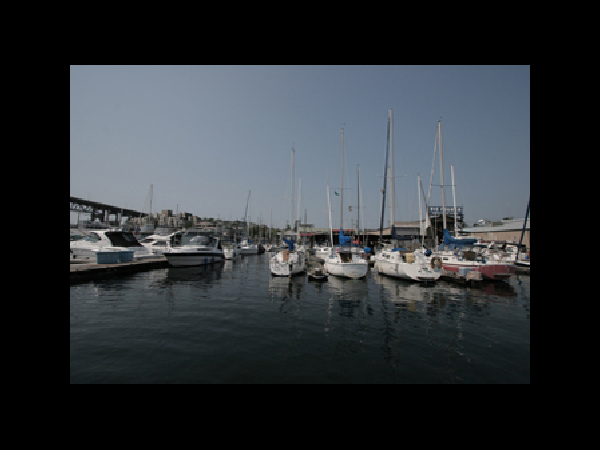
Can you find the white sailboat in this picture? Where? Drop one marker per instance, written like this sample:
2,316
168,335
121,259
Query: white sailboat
343,262
291,261
247,247
399,262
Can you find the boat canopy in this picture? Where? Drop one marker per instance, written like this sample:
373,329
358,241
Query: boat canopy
457,241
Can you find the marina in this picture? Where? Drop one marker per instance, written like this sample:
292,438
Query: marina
198,256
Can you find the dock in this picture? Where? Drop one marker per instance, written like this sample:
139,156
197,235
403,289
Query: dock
87,271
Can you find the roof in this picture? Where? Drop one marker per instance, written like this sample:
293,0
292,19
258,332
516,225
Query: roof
507,225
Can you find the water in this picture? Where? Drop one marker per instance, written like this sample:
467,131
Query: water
235,323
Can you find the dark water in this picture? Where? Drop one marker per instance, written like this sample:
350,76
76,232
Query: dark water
236,324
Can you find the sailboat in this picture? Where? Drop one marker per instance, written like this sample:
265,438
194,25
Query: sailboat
246,246
291,261
343,262
452,254
399,262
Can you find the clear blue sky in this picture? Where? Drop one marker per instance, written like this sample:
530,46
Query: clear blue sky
205,135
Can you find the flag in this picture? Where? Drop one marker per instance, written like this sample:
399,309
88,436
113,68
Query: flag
336,193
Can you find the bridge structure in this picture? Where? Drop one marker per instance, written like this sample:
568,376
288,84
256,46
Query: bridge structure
102,211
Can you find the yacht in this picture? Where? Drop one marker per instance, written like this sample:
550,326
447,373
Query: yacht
159,243
107,240
199,251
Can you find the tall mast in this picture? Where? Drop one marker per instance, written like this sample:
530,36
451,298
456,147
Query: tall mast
387,148
420,215
292,207
298,208
150,200
358,194
442,174
342,188
392,199
330,222
454,197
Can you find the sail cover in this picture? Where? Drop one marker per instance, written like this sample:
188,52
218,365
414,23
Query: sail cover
457,241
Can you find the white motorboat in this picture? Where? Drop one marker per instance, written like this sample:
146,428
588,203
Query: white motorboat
232,251
248,248
107,240
159,243
417,266
199,251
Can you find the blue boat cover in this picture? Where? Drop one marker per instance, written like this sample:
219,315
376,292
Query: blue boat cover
344,239
450,240
290,244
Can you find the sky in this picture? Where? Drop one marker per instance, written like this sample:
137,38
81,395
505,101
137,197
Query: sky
204,136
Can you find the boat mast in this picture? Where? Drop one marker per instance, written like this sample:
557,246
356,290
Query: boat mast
358,194
292,206
342,188
387,148
454,197
298,209
442,175
420,211
523,232
330,222
392,197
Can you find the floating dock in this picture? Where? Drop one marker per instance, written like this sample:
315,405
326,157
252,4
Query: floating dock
86,271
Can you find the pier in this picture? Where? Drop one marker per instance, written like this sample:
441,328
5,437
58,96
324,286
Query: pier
85,271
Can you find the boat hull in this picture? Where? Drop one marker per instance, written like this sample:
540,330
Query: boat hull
186,259
488,271
346,269
410,271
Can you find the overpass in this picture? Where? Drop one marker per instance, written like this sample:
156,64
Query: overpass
102,211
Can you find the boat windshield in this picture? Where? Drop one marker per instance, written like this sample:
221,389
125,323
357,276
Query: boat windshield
122,239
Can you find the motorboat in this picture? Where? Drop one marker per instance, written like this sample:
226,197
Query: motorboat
199,251
232,251
159,243
248,248
318,274
107,240
417,266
